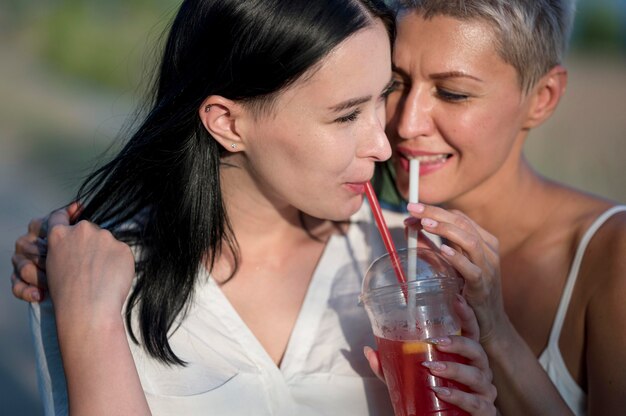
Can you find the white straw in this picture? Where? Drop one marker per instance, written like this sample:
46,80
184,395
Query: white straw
414,180
414,169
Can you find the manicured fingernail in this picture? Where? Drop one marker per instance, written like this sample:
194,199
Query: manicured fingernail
441,391
439,341
427,222
35,296
434,365
447,250
417,208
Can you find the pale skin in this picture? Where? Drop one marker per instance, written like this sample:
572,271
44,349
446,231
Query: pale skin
277,174
88,298
460,105
274,172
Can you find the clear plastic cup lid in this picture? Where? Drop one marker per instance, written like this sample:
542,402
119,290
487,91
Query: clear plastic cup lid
419,265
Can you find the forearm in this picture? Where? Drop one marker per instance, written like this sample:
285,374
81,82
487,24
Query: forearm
99,368
523,386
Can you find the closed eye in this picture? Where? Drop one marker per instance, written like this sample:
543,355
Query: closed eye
349,117
451,96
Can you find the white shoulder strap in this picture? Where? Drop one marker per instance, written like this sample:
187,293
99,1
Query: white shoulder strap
573,273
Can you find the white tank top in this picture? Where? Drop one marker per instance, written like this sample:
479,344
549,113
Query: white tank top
551,359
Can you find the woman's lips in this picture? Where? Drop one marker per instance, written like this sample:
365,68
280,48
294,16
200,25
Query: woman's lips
356,187
429,162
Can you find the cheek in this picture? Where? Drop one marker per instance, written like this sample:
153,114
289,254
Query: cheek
318,159
273,154
487,142
338,146
482,132
501,129
284,143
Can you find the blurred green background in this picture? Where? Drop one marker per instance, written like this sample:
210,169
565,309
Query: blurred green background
72,71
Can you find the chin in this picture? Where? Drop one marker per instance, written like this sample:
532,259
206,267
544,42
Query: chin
348,208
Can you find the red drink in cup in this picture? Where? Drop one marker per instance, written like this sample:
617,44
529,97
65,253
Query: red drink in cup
404,315
409,382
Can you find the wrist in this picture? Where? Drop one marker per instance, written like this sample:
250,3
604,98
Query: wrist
74,323
498,342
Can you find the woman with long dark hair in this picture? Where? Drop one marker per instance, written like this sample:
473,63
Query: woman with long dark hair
236,194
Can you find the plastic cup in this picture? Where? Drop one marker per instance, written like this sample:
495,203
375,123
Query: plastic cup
404,316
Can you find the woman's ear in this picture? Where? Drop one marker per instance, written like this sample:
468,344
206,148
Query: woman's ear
220,116
546,96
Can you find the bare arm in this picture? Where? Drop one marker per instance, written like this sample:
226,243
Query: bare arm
89,277
606,320
524,388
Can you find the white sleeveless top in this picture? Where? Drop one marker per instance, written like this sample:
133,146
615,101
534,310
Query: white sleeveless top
323,371
551,359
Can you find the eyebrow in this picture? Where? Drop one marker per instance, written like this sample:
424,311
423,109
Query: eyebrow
439,75
454,74
353,102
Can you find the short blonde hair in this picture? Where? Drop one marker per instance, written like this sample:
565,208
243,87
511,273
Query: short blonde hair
531,35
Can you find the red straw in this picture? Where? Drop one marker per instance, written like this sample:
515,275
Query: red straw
384,232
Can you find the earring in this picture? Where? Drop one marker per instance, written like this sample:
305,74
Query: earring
233,145
207,108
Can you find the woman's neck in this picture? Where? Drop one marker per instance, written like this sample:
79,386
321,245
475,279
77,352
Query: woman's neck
276,259
511,206
252,212
261,224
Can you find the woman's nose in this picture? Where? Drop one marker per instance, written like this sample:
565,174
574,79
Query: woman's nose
377,146
415,115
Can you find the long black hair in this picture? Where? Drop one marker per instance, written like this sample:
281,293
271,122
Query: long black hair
168,172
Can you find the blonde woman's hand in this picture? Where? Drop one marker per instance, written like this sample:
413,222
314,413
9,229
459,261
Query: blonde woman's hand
476,375
28,279
89,272
474,253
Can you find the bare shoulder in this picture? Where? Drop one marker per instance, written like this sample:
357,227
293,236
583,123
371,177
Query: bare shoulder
604,270
607,248
604,264
604,261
